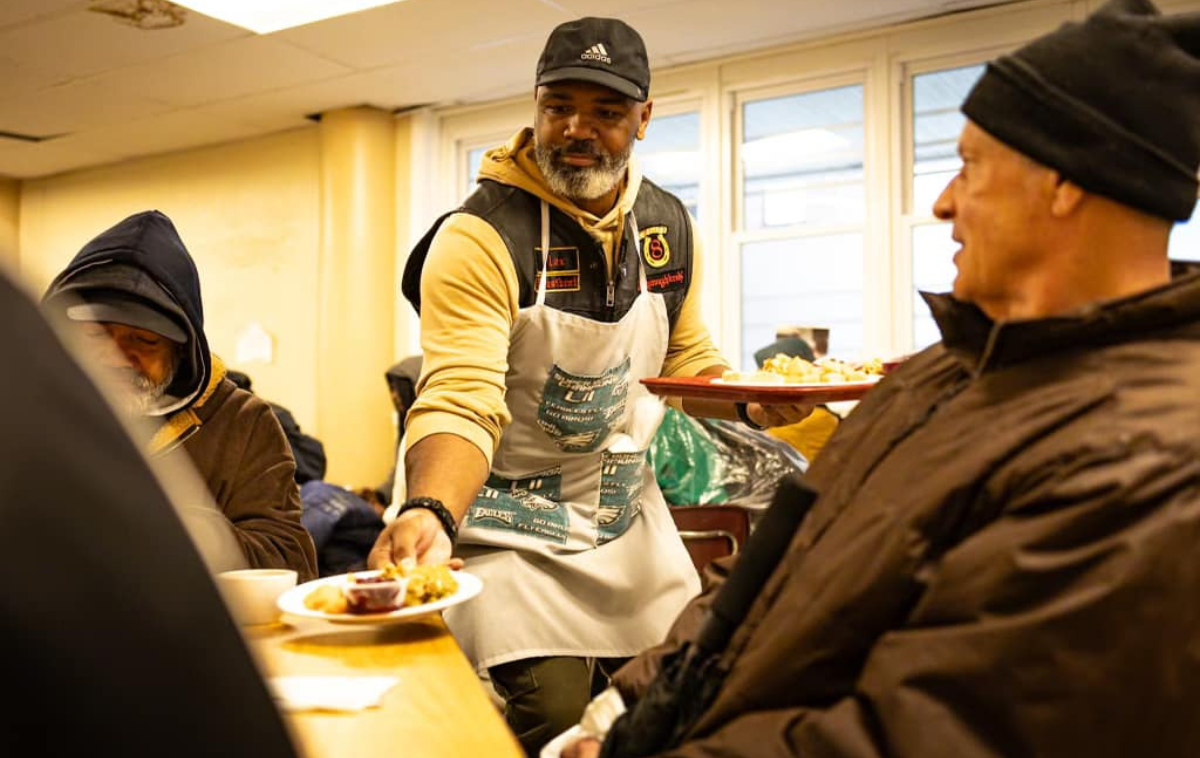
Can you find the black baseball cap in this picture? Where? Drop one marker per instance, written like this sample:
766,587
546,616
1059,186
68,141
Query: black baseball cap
123,294
604,51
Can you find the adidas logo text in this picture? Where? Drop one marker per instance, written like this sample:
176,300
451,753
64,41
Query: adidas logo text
596,52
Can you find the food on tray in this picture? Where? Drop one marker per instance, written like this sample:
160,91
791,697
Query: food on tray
393,588
786,369
752,377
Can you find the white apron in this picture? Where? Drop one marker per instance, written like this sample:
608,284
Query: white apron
571,536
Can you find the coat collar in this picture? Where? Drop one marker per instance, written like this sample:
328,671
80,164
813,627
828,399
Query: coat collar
183,424
982,344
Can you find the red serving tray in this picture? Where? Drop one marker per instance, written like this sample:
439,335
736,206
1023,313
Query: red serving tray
706,388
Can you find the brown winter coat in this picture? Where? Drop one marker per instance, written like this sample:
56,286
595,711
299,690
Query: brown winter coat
239,449
1004,558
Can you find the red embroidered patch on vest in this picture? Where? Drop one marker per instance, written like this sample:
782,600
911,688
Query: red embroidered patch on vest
562,267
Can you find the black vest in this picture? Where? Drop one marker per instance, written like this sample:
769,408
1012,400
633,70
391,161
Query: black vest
577,271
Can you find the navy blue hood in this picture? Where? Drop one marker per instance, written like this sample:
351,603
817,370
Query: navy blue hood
143,257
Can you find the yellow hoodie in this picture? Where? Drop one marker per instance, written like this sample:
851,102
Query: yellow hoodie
470,299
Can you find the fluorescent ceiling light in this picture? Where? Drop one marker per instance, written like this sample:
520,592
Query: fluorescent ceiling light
266,16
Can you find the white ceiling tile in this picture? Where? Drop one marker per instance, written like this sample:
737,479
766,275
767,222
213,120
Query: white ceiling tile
26,161
168,132
224,71
19,11
511,70
18,78
71,108
249,112
84,43
714,31
612,8
295,104
414,30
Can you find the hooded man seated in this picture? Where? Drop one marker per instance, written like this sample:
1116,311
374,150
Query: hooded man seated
132,295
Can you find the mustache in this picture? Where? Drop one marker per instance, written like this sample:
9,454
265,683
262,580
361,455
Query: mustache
133,379
578,147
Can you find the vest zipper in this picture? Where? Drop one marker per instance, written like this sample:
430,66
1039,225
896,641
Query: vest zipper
618,261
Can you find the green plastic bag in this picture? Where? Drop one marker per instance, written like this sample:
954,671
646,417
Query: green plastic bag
687,462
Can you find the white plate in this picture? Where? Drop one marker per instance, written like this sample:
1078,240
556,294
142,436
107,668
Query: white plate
292,601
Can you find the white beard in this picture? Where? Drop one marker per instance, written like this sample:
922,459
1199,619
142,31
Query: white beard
581,182
136,394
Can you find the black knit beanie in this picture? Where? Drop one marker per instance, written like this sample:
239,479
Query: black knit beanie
1113,103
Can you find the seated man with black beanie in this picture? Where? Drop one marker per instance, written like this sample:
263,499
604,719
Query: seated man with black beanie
1002,556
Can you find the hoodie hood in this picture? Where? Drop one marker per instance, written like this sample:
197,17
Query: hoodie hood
513,163
142,258
402,379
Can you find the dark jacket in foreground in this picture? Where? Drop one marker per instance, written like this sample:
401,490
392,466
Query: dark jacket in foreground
1003,559
115,637
232,437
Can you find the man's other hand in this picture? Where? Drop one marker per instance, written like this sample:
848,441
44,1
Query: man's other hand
778,414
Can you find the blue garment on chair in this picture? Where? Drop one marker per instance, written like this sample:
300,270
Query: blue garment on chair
343,526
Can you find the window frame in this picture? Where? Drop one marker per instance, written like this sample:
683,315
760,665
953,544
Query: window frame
905,218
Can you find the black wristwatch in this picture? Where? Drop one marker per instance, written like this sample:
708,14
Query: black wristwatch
744,417
434,506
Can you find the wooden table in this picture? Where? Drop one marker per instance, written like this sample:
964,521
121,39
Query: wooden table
438,708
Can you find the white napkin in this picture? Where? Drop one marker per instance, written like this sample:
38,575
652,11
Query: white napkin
329,693
647,414
597,718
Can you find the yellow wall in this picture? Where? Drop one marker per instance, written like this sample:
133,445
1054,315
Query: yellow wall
250,214
10,205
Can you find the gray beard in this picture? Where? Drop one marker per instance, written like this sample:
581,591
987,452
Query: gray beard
581,182
137,394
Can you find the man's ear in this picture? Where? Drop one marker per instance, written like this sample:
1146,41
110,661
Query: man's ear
1067,196
644,119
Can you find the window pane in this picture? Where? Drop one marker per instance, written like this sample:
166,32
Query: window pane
803,281
936,124
474,160
933,271
1185,239
802,159
670,157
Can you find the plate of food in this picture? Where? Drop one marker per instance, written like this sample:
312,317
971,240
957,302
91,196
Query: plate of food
782,379
396,594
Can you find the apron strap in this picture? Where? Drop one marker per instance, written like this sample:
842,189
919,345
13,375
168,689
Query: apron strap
541,293
637,253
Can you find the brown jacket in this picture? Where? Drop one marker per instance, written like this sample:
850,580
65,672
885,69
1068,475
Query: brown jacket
1003,559
237,445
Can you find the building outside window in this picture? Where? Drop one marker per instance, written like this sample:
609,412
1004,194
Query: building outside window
936,123
802,213
670,156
